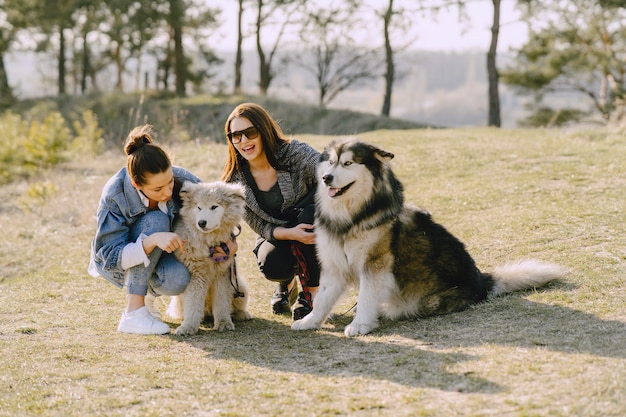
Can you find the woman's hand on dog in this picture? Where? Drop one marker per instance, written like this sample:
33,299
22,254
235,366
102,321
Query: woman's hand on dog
304,233
232,246
220,254
167,241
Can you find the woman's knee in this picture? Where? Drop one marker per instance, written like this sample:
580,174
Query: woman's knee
277,272
275,262
277,267
172,277
152,222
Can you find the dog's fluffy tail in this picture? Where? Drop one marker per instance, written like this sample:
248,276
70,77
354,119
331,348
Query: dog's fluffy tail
525,274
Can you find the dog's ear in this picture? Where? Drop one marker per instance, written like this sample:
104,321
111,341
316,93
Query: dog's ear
185,191
238,191
383,156
366,150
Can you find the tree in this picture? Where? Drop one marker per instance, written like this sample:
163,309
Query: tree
400,19
176,18
493,116
338,60
11,21
239,53
492,70
613,3
189,24
92,18
289,9
53,24
47,18
6,94
580,48
390,67
200,22
56,16
493,77
129,26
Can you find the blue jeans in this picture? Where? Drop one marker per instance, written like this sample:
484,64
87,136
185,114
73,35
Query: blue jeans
165,275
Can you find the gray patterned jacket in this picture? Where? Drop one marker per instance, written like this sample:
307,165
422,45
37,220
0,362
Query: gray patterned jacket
300,161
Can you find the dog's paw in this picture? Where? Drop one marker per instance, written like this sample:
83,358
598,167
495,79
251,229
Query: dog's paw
355,329
222,325
186,330
305,324
242,316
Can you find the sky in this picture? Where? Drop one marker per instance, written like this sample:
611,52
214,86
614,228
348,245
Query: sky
446,33
442,33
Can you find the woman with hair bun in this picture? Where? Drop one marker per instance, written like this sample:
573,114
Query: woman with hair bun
134,242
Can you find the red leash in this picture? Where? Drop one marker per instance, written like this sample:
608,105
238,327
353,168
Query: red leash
303,272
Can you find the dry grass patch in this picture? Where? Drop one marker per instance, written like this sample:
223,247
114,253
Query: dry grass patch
559,351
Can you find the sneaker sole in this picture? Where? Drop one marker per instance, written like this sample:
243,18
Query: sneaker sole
280,310
142,331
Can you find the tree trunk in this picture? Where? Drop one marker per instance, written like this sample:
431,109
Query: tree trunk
176,11
6,95
492,70
264,76
239,54
119,85
61,61
390,72
85,69
167,66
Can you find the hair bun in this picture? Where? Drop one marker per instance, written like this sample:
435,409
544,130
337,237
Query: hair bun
138,138
134,145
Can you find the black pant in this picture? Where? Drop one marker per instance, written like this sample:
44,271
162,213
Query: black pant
278,263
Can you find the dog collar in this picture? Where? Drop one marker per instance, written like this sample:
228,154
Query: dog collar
224,246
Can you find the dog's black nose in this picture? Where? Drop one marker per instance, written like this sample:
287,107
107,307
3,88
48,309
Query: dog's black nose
328,178
202,223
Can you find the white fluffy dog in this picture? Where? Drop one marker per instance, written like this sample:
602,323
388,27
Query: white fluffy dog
210,214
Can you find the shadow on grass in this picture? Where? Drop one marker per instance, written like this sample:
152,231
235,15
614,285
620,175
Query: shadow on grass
521,323
417,353
328,353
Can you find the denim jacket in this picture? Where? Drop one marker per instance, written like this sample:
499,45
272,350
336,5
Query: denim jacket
120,207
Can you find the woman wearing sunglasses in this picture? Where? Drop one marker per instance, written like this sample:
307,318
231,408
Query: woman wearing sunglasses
279,176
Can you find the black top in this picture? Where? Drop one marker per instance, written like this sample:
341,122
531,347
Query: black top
272,200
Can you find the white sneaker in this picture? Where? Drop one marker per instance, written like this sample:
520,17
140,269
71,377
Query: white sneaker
140,321
152,309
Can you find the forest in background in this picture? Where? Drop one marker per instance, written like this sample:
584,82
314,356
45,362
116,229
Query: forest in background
574,47
447,89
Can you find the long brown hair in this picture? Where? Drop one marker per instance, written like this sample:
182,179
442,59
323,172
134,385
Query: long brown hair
144,156
272,137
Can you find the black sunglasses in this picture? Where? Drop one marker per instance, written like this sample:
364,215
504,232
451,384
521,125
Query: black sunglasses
250,133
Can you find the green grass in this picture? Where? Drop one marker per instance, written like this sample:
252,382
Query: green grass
508,194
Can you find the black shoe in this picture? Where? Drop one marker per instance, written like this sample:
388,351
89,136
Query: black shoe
280,300
301,307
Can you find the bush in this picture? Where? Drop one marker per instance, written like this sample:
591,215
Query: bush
14,130
89,137
199,118
46,142
549,117
28,147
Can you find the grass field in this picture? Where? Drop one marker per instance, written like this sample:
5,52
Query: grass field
508,194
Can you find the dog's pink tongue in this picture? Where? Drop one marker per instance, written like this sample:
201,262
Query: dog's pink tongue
333,191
